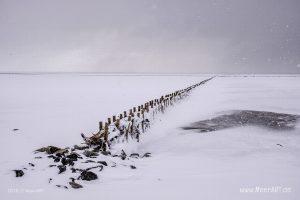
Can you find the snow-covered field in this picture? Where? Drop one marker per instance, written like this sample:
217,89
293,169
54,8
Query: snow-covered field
55,109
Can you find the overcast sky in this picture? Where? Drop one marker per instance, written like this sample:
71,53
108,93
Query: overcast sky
152,36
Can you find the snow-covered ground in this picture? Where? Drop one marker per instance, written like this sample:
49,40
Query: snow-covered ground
55,109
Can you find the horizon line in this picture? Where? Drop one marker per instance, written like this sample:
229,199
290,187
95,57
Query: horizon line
144,74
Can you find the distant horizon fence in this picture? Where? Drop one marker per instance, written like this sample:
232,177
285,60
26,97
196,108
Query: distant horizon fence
131,123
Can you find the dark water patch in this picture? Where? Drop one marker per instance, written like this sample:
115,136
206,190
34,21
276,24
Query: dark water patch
277,121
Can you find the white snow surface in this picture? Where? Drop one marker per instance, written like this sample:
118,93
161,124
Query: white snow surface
55,109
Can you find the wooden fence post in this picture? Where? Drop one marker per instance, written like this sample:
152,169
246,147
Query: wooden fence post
106,132
143,116
100,126
117,123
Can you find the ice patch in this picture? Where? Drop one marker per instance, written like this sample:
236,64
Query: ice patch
278,121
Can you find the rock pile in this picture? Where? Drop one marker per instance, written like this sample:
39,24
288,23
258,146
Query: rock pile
73,160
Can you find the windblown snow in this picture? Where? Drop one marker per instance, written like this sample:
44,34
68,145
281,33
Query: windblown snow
245,162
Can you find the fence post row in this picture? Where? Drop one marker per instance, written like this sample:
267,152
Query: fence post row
137,121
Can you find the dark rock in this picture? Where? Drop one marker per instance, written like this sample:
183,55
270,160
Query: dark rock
73,170
74,156
61,168
19,173
97,149
89,161
15,129
80,147
60,155
106,153
31,164
279,145
123,155
50,180
62,152
98,166
134,155
48,150
38,157
57,159
114,138
62,186
70,162
51,156
66,161
52,165
90,153
102,162
146,155
52,149
132,167
88,175
75,185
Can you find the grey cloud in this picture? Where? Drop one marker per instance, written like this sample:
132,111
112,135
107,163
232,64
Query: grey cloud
190,36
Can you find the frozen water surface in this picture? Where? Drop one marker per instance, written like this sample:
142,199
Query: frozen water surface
279,121
55,109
